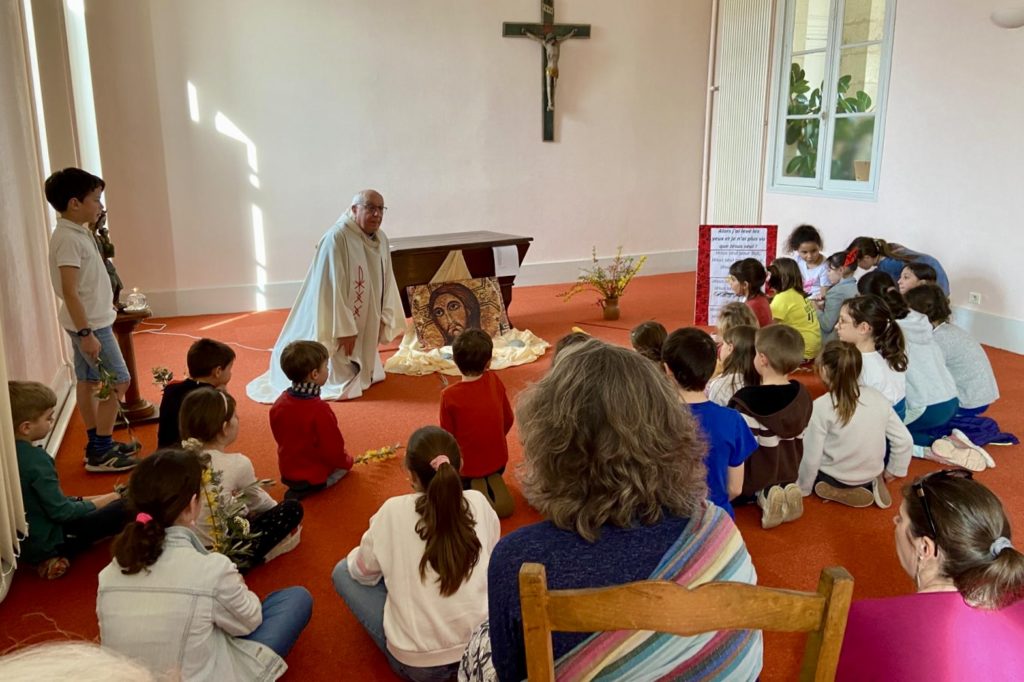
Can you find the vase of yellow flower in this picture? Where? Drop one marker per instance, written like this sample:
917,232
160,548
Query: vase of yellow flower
609,282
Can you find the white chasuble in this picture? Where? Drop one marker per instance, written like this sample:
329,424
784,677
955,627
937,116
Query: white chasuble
350,290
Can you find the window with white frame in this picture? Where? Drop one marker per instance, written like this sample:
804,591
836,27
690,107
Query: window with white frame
833,72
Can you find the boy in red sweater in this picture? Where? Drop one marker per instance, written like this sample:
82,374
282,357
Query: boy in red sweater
310,449
477,412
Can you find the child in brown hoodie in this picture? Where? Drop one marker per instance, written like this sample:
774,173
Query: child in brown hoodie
777,412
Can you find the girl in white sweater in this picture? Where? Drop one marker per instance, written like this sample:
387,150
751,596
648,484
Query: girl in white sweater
844,443
867,323
432,548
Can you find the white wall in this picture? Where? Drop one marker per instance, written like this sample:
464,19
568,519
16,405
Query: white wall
422,100
952,174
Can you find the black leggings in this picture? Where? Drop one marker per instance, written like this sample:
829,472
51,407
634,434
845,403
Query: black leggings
82,533
273,526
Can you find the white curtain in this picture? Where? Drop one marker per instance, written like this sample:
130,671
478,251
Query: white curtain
32,346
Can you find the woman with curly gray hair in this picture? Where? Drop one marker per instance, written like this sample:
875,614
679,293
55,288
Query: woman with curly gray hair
616,466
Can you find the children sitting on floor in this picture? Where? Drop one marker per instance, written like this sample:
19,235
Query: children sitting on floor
477,412
689,355
736,357
432,548
965,358
209,364
647,339
58,526
184,612
777,412
790,305
209,425
746,277
931,391
845,441
311,451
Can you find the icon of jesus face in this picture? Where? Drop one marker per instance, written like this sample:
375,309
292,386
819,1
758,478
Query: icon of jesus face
454,308
450,316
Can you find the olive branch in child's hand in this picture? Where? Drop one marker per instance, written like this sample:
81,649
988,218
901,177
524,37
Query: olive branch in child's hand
229,524
162,376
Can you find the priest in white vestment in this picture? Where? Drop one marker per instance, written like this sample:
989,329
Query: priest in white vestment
349,302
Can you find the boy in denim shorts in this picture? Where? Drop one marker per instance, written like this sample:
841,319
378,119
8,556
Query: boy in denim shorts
87,312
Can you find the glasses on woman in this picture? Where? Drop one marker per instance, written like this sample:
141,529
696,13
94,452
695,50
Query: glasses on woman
919,490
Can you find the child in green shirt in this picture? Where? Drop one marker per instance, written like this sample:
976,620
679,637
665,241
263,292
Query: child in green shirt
58,526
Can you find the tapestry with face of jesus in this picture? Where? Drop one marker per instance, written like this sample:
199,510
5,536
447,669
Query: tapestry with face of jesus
440,311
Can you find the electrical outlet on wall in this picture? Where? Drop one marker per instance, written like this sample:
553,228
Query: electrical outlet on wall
974,298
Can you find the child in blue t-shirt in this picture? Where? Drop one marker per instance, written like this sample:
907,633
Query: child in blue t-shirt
690,356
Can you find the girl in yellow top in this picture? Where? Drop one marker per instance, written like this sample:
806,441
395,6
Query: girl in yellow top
790,305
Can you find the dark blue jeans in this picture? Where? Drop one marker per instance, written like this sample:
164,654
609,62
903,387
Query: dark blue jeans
285,614
933,422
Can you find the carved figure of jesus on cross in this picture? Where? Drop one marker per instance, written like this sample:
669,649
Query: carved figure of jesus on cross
550,36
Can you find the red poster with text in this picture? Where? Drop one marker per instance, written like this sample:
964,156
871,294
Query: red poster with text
718,247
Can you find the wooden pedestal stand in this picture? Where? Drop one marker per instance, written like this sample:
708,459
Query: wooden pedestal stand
137,409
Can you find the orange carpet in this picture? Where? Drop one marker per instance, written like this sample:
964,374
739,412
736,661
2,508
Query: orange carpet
334,646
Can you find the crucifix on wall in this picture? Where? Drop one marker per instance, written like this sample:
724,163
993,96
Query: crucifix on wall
550,36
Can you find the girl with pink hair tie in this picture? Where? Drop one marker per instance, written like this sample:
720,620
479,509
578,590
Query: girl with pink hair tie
432,548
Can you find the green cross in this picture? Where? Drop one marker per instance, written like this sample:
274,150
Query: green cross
550,35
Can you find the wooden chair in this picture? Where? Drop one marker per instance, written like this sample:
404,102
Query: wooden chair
663,606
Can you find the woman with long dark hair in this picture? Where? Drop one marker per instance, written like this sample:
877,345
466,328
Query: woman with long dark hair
431,548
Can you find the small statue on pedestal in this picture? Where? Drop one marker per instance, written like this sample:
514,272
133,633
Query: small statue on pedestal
102,236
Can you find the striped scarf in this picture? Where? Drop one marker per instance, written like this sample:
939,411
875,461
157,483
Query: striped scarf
710,549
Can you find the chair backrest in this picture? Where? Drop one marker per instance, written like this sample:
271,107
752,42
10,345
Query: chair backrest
663,606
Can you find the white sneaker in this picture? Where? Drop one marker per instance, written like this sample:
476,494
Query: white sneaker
951,452
962,437
773,506
290,542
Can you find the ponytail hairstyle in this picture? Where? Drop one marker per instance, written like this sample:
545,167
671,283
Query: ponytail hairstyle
971,529
839,366
802,235
886,333
453,548
881,284
751,272
844,261
930,300
741,359
204,412
784,274
161,487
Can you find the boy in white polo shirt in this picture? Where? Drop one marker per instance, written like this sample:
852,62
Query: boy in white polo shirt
87,312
